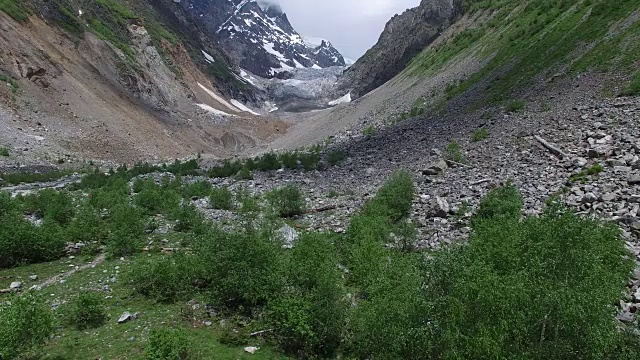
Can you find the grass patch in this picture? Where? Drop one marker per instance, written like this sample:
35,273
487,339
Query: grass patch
4,151
515,106
633,88
369,130
453,152
479,135
15,9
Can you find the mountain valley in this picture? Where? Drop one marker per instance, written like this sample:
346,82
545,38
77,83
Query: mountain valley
194,179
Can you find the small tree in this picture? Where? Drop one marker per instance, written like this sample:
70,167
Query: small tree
287,201
88,310
25,321
168,344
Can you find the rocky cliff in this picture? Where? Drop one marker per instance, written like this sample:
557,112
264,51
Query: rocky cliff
404,36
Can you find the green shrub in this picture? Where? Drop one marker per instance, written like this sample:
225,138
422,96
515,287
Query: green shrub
503,202
309,318
369,130
394,199
569,270
156,200
248,203
87,311
138,185
229,168
167,279
23,243
453,152
515,106
126,231
287,201
4,151
221,198
243,268
479,135
392,319
25,322
268,161
335,157
244,174
187,218
199,189
310,160
168,344
50,204
233,332
289,159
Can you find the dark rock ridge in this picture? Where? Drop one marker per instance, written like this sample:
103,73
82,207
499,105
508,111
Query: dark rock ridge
259,37
403,38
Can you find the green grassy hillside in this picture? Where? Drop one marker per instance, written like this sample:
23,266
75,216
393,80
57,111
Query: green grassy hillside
520,40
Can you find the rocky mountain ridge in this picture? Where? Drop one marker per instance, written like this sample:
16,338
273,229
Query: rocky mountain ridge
404,36
259,37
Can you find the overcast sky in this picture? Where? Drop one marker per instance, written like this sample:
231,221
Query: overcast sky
352,26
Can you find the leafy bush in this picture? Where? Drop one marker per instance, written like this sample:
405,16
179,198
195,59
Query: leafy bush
479,135
23,243
168,344
289,159
4,151
516,106
243,268
126,230
187,218
22,177
392,319
221,198
287,201
309,318
268,161
335,157
53,205
229,168
369,130
570,271
167,279
86,311
156,200
25,322
199,189
244,174
310,160
248,203
453,152
394,199
503,203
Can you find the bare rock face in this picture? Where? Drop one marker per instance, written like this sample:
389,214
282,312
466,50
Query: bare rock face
403,38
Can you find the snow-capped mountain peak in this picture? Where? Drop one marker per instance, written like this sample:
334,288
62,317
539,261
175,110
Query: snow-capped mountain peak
259,36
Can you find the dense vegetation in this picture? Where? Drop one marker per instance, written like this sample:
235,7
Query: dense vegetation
534,288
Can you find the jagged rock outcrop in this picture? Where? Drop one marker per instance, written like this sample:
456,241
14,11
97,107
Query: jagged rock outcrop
259,37
404,37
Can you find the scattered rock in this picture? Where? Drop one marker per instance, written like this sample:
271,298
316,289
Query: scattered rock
251,349
33,277
288,235
589,198
634,179
438,207
127,316
437,168
15,285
